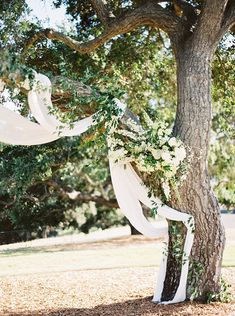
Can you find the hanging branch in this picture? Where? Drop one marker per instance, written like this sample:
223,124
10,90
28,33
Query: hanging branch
150,13
82,197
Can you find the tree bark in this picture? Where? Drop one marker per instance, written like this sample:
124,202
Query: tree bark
192,125
134,231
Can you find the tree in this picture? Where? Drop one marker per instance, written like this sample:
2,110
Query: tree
36,184
194,29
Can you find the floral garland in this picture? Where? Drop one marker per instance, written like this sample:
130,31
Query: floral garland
153,150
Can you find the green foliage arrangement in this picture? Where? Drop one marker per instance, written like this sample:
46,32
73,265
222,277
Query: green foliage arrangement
153,150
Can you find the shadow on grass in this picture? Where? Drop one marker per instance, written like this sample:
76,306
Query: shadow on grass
27,251
91,245
136,307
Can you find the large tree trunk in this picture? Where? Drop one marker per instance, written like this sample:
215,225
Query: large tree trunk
192,125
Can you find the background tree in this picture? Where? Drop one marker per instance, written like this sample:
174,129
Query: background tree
194,30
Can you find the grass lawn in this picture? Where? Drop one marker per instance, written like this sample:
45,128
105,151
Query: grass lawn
112,254
115,277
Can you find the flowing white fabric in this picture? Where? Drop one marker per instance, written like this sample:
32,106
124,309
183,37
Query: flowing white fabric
17,130
128,187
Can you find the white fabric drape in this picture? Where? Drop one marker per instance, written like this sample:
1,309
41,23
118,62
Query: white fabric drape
128,187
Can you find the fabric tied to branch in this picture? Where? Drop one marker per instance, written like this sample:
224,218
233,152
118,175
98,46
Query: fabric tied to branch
128,187
18,130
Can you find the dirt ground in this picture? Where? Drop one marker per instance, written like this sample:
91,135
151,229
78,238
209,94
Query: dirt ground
114,291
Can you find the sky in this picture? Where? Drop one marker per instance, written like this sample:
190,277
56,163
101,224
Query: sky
50,16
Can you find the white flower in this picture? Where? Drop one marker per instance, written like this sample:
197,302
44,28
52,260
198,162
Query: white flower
126,133
175,162
156,153
163,140
172,141
16,91
166,156
174,169
113,142
169,174
2,85
165,148
134,127
168,131
143,146
136,150
166,190
118,154
180,153
147,119
155,125
144,168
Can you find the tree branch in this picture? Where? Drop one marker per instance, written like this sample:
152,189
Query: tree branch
208,28
7,204
150,13
102,11
60,94
229,17
15,80
82,197
86,197
80,88
112,203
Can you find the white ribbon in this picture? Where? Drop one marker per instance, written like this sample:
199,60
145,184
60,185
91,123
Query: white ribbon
128,187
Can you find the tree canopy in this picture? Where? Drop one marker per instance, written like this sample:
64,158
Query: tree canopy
36,182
